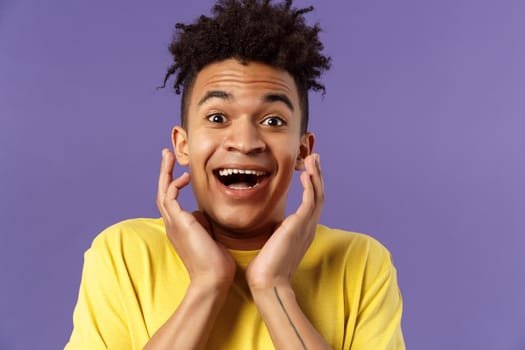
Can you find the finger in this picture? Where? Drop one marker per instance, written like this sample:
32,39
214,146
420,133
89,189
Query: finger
317,178
175,186
308,200
313,193
182,181
165,175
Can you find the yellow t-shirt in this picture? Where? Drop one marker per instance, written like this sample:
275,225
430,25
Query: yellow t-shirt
133,281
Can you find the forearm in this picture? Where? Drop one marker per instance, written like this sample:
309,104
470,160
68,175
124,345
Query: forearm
288,326
190,325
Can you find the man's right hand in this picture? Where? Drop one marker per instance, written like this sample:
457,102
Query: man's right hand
208,263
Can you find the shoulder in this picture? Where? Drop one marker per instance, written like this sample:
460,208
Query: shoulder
133,248
360,253
132,234
349,242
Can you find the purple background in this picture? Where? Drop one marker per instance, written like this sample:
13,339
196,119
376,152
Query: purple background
420,132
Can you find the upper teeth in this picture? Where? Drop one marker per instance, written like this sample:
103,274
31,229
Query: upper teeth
226,172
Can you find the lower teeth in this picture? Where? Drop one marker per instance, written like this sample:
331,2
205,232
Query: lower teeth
242,186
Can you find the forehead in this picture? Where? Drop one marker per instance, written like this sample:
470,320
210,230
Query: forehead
235,77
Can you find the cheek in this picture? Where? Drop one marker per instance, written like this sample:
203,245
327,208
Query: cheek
201,146
287,162
288,152
199,153
291,158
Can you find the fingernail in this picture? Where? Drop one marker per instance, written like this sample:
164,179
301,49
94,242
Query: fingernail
318,158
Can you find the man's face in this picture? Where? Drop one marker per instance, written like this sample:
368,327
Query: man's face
242,144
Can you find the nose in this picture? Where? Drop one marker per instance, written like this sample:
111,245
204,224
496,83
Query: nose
244,136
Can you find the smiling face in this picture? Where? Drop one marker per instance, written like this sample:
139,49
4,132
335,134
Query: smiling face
242,144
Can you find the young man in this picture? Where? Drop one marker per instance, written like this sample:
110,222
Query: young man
237,273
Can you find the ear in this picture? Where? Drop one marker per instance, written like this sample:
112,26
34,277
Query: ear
306,147
179,138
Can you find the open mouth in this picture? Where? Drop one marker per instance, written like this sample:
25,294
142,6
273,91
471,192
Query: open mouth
240,179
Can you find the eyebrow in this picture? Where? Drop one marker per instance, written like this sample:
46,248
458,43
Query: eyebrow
268,98
217,94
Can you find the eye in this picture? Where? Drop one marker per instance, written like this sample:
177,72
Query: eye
217,118
274,121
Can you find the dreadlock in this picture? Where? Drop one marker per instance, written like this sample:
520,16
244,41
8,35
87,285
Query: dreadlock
250,31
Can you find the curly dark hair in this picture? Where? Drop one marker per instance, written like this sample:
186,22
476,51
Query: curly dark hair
250,30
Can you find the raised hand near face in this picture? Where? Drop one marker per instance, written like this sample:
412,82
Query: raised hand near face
209,264
279,258
270,273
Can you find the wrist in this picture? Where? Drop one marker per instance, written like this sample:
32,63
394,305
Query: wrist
259,282
207,286
261,292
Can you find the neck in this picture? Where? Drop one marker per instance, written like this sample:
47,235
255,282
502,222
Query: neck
241,239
